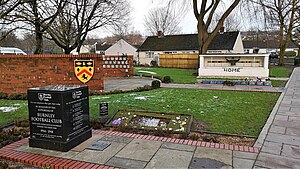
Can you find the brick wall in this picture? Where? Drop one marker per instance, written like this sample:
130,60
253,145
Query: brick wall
20,72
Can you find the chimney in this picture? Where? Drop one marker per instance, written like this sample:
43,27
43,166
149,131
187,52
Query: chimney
160,34
222,30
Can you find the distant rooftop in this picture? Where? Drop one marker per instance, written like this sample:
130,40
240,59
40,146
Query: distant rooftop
223,41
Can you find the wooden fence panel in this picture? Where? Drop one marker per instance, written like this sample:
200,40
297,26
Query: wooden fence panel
183,61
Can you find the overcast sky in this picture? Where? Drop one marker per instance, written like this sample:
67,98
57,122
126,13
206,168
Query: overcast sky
140,8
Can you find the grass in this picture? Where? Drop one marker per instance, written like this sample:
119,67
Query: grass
20,113
278,83
181,76
224,111
280,71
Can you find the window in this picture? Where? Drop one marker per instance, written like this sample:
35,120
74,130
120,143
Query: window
149,54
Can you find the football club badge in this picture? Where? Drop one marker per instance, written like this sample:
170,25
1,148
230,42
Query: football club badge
84,70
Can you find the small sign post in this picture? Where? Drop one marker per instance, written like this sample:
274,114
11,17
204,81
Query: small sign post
103,109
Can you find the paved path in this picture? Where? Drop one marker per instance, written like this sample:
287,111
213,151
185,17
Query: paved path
280,148
125,83
222,87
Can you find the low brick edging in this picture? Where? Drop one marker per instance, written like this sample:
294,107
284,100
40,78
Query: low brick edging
8,153
180,141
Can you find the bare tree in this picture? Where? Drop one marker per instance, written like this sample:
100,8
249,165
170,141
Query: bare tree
231,23
281,14
8,6
162,19
205,16
79,17
37,15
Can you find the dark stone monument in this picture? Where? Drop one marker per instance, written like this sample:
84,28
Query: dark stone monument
59,116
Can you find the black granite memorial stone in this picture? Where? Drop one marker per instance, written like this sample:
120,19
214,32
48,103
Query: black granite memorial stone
59,116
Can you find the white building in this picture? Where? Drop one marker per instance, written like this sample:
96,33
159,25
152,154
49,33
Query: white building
225,42
234,65
122,48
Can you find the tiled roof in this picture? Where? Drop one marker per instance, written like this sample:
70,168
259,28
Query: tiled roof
102,47
224,41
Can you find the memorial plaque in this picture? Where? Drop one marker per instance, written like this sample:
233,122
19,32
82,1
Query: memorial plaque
103,109
59,116
99,145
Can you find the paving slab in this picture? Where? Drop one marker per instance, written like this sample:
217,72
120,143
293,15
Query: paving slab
272,148
293,132
291,151
244,155
167,158
276,161
242,163
139,149
180,147
87,143
224,156
126,163
197,163
277,129
99,157
279,138
117,139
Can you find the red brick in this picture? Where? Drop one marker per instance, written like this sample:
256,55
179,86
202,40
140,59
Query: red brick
90,166
62,163
241,148
74,165
169,139
181,141
203,144
141,136
217,145
222,146
85,165
177,140
212,145
236,148
164,139
231,147
173,140
227,146
190,142
54,163
256,150
156,138
246,149
69,164
207,144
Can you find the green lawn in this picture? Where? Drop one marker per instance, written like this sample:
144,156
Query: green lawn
280,71
20,113
223,111
182,76
278,83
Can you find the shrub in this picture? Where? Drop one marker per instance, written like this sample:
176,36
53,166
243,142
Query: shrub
290,53
154,63
167,79
17,96
155,84
3,95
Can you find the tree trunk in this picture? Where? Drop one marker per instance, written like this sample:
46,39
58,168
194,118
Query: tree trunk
298,54
281,46
39,41
68,50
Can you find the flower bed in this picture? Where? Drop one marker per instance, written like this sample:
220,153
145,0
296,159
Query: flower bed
178,123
